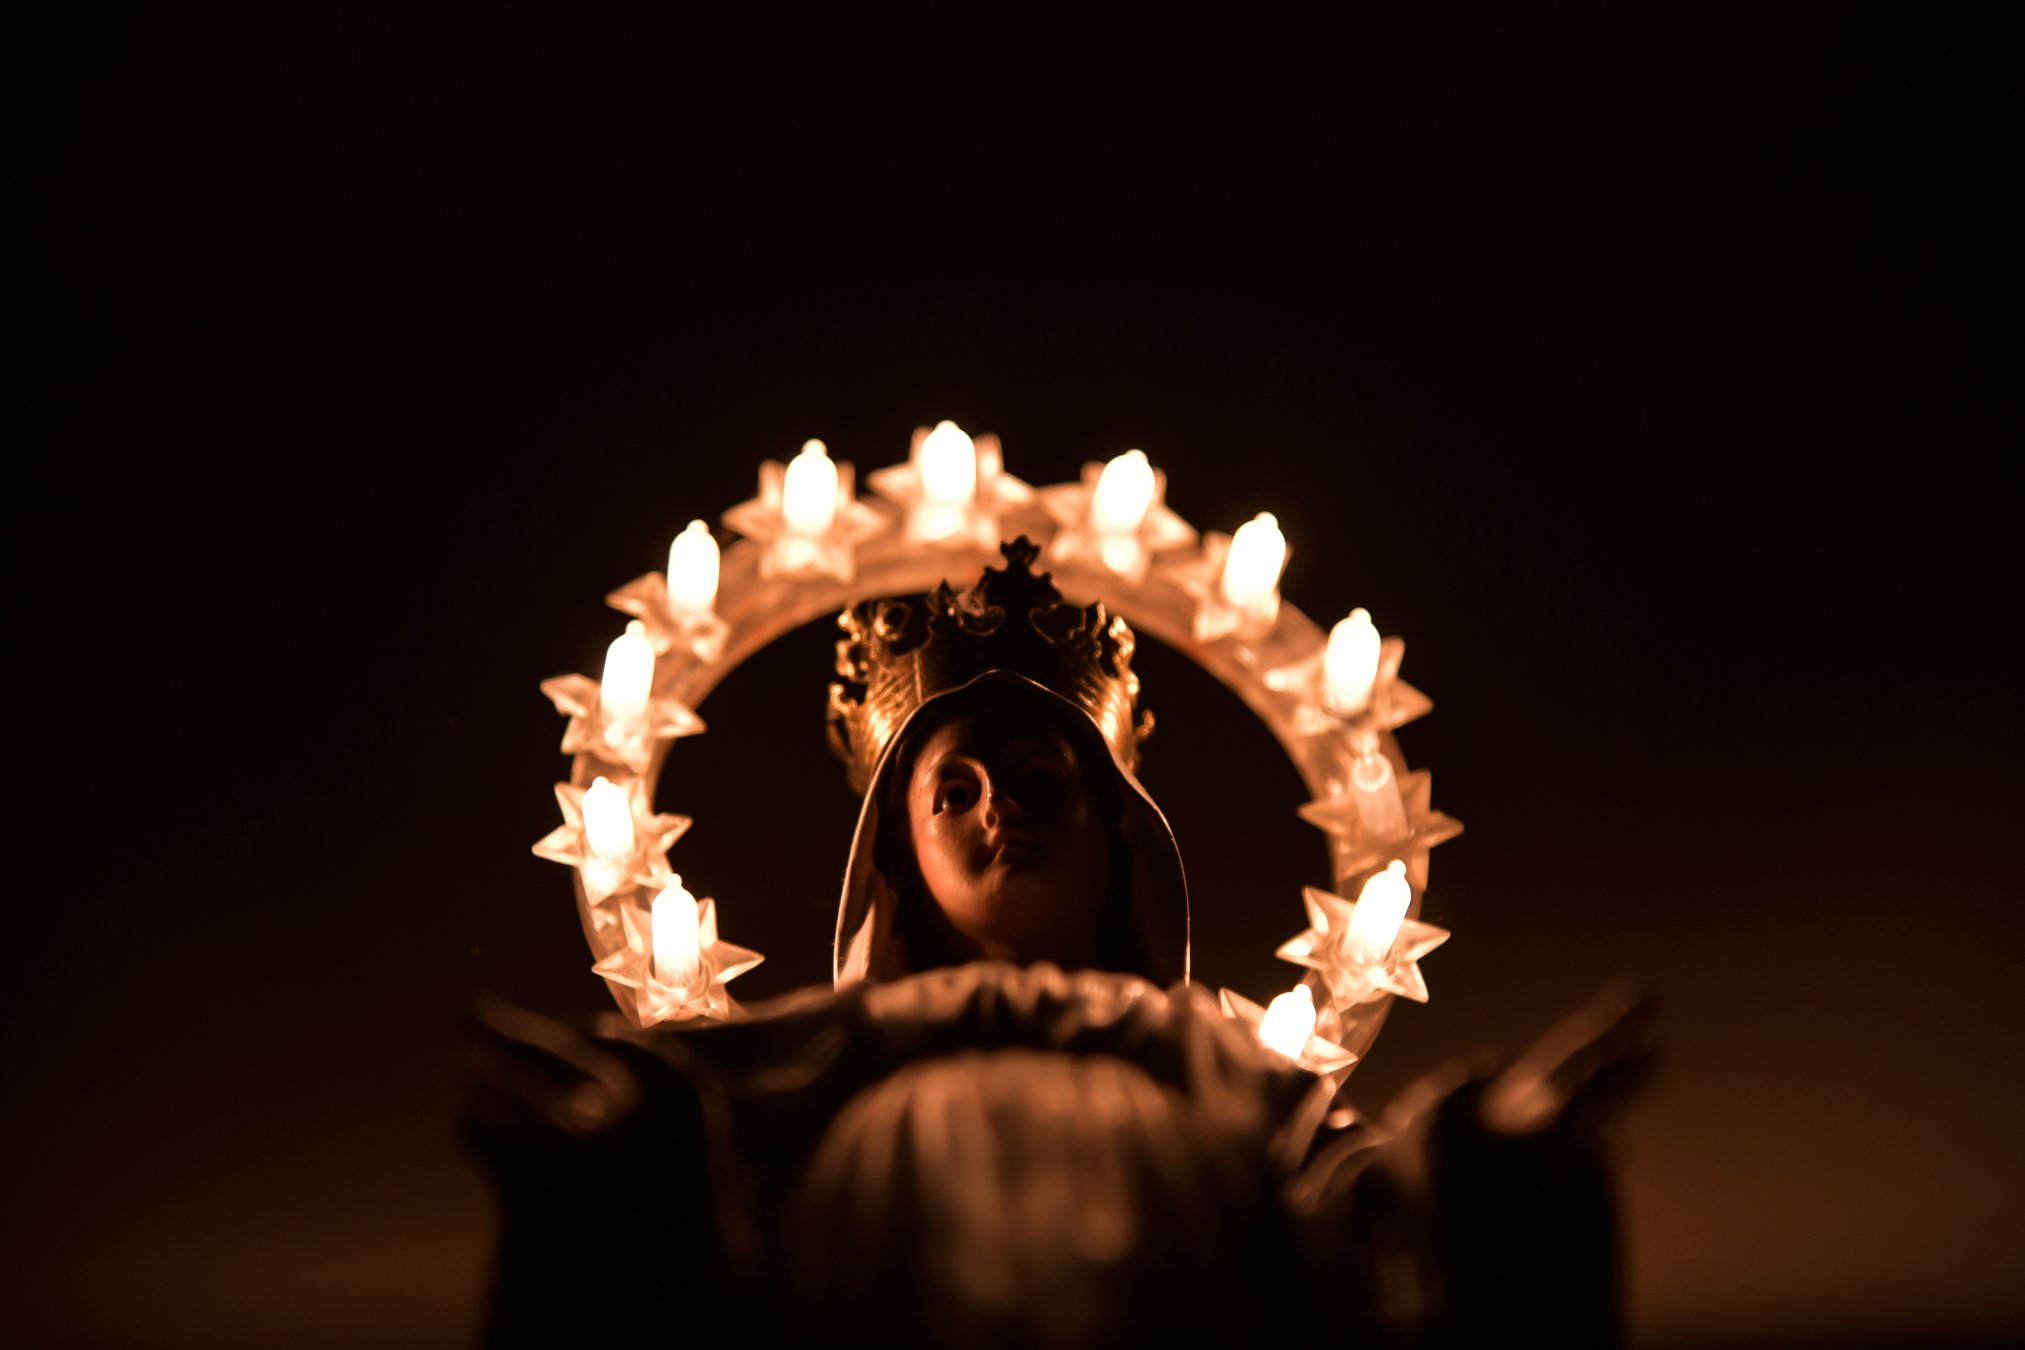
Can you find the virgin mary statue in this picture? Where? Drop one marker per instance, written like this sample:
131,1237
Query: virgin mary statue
1013,1121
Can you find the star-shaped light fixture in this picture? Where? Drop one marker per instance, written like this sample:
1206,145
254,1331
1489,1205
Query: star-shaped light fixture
807,517
592,731
1380,953
1316,1054
678,608
1392,702
1234,580
694,989
1359,849
616,842
953,492
1115,519
805,532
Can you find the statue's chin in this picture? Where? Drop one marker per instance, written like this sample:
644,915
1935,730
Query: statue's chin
1035,914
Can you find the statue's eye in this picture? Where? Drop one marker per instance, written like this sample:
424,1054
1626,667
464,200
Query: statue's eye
955,795
1039,784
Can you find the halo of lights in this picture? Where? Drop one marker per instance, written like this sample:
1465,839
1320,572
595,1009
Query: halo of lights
1331,705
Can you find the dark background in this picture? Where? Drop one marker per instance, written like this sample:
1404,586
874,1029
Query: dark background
1640,371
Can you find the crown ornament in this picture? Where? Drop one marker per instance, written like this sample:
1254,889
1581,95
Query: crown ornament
896,654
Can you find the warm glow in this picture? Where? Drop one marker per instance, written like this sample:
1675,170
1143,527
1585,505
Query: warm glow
608,821
1381,908
1350,664
948,465
1251,571
678,957
1289,1022
1376,791
806,542
693,564
1124,494
628,681
808,499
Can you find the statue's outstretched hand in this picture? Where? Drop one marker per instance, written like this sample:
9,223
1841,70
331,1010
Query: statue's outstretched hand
1480,1210
596,1149
1519,1184
1580,1073
536,1092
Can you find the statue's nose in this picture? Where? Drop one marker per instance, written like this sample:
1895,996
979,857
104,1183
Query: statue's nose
1001,807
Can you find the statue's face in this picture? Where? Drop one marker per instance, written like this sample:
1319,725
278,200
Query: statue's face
1010,839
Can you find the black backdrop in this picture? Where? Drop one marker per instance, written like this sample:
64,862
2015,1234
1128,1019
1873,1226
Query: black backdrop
1636,370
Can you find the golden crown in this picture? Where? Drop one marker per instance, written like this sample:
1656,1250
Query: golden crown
898,654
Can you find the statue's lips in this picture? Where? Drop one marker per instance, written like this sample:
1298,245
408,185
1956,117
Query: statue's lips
1015,852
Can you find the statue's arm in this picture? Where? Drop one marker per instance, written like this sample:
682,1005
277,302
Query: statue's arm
1481,1207
595,1152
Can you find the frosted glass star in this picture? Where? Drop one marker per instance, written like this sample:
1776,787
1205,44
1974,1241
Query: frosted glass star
577,697
1128,557
1201,577
1348,979
1357,852
653,835
1318,1056
788,554
646,598
974,526
1394,702
631,965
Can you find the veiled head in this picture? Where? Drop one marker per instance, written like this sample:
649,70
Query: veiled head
1007,840
1000,825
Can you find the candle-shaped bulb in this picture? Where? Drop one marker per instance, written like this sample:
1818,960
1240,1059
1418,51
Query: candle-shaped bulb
1350,664
1375,789
678,955
1251,570
628,680
1381,908
808,498
948,466
1124,494
1289,1022
693,563
608,821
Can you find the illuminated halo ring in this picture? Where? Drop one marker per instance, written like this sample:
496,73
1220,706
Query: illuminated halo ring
1161,579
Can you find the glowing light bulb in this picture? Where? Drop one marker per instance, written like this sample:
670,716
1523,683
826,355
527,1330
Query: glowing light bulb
628,681
1251,571
948,465
1381,908
608,821
1350,664
1289,1022
808,499
693,564
1375,789
1124,494
678,954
